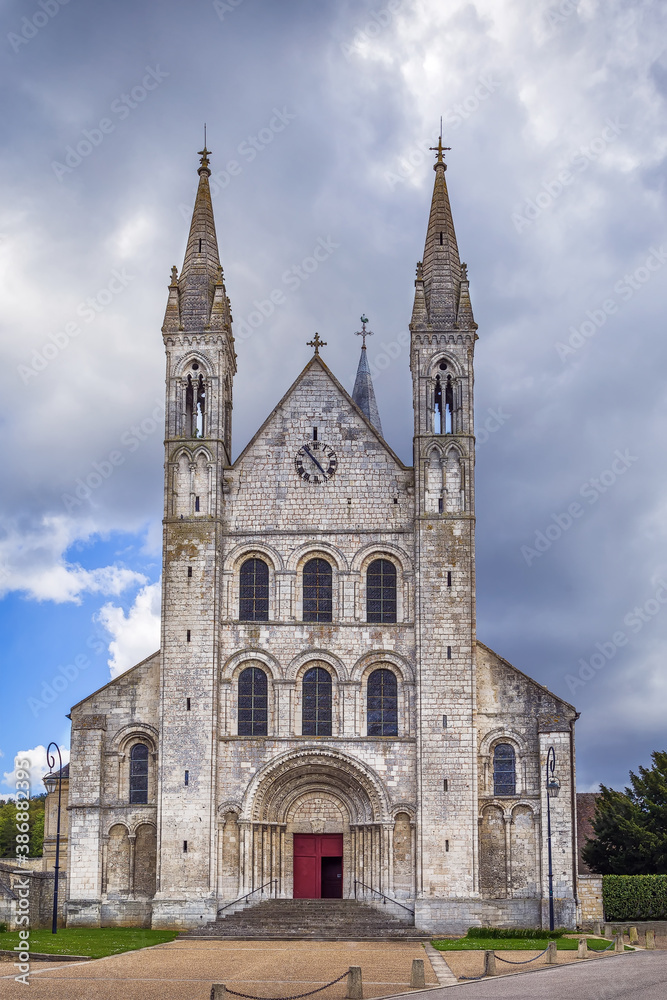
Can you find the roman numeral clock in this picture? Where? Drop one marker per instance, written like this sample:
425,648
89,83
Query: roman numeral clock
316,462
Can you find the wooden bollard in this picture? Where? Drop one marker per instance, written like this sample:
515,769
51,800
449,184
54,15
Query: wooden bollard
489,963
582,948
650,940
552,953
355,987
618,938
417,978
634,936
219,991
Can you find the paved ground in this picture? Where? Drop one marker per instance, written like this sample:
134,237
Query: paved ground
184,970
640,975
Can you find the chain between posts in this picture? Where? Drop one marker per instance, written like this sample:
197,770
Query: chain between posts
297,996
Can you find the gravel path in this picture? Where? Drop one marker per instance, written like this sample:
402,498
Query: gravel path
185,970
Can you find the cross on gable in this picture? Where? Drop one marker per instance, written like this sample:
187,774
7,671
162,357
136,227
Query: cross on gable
316,343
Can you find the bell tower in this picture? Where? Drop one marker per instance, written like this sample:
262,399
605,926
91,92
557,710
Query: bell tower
201,363
443,335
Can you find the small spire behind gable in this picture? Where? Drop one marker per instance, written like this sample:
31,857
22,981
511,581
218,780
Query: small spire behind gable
363,393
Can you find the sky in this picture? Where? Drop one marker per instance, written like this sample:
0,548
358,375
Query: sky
319,117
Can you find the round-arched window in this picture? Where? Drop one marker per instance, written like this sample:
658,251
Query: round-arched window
504,770
139,774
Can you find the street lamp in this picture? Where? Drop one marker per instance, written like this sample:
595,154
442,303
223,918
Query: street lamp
553,787
50,782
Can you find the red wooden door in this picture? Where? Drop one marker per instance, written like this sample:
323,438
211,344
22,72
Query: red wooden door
309,849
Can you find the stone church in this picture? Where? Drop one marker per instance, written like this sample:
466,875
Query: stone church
320,720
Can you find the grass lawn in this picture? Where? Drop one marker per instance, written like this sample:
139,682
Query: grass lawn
513,944
95,942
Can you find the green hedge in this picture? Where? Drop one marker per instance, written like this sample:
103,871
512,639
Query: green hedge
634,897
512,932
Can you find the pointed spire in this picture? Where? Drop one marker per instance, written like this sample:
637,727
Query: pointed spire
201,266
363,393
441,269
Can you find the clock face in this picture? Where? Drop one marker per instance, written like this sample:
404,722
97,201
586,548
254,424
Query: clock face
316,462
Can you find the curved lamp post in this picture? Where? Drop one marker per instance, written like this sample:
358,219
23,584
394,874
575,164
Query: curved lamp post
553,787
50,782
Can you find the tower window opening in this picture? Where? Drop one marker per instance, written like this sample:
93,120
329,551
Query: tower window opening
445,784
441,505
443,366
189,571
187,704
441,240
187,636
185,847
187,777
444,722
449,577
201,407
200,242
449,652
314,433
437,407
196,505
446,845
449,406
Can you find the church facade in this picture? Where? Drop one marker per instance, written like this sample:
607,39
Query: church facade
320,720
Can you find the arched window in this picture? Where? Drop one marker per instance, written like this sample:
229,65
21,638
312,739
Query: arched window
317,591
381,591
316,711
253,702
504,770
382,704
254,591
195,404
139,774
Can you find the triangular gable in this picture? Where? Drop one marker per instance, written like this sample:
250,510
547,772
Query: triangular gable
530,680
115,680
314,361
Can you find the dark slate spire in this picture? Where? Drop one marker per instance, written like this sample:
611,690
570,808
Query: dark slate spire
441,270
363,393
201,266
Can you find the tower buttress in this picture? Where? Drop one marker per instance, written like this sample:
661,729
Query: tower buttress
443,334
201,363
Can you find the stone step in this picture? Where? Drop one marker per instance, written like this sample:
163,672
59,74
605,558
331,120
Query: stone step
322,919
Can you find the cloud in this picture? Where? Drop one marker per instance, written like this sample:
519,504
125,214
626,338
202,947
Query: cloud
33,561
135,634
38,768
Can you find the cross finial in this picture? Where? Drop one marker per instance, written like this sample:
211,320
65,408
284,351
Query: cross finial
316,343
440,149
364,332
204,153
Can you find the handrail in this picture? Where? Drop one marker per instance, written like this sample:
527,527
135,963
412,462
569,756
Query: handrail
391,899
247,895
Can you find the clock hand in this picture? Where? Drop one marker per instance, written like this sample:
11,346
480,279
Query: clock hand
313,459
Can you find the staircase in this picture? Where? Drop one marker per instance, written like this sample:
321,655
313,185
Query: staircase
316,919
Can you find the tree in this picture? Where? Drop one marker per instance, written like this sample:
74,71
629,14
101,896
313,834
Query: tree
631,827
8,829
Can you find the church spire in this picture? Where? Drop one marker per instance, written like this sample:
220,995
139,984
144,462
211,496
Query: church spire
201,266
441,269
363,393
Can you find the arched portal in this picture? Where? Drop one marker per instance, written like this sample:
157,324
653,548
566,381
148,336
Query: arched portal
319,805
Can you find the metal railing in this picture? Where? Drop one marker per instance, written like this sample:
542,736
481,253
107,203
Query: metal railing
377,892
252,892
